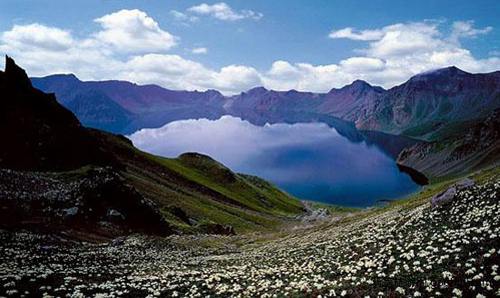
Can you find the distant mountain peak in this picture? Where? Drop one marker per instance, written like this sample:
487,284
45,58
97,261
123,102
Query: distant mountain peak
359,86
450,71
67,76
259,89
359,82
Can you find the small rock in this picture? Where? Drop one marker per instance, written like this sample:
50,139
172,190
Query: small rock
318,214
71,211
118,241
104,224
115,214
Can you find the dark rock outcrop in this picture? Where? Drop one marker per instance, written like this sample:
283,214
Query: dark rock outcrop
51,174
415,175
82,201
37,132
479,137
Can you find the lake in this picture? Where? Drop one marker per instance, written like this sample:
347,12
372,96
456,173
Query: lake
311,161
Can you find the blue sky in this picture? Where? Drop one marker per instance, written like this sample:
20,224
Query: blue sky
234,45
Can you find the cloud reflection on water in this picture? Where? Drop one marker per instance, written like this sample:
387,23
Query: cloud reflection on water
309,160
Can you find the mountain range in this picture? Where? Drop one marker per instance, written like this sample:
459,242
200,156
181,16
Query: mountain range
429,99
439,106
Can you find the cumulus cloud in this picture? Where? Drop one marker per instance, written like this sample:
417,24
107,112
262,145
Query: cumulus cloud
398,51
36,36
44,50
200,50
175,72
224,12
133,31
391,55
302,76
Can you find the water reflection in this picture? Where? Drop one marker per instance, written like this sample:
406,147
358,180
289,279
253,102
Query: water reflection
309,160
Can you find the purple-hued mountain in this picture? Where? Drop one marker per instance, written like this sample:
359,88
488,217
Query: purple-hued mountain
425,102
433,106
124,107
350,102
433,99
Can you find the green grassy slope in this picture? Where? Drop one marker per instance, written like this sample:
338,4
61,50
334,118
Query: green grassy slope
455,148
205,190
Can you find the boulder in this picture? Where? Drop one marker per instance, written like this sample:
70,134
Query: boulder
118,241
447,196
465,183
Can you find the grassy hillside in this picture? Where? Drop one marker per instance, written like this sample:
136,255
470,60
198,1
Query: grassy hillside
205,190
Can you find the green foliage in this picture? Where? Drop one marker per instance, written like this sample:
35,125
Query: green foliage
420,130
207,190
451,131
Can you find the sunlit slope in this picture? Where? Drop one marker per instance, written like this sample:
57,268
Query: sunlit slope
205,190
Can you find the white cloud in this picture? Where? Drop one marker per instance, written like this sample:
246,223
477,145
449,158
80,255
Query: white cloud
133,31
401,50
36,36
199,50
361,35
45,50
175,72
398,51
184,17
360,64
466,29
224,12
302,76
